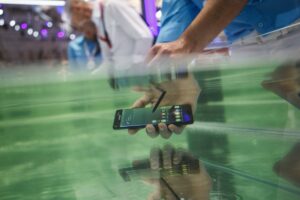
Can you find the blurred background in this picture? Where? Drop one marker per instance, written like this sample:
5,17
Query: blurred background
38,31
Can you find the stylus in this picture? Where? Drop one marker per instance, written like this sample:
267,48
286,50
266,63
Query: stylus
169,187
163,93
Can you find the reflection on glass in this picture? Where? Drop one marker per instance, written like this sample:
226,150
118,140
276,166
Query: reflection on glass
174,173
285,82
289,166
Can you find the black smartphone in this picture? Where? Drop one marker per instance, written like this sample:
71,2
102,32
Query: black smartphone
140,117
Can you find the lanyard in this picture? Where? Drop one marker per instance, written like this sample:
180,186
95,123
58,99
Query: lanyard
91,64
104,38
88,53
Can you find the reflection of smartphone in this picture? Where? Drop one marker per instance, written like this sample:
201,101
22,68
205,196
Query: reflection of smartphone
140,117
141,169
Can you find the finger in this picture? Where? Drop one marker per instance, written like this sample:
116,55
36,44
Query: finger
151,131
176,129
153,51
155,158
141,102
167,154
155,60
133,131
160,54
178,155
164,131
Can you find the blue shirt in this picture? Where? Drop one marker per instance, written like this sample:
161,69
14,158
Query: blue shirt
77,56
260,15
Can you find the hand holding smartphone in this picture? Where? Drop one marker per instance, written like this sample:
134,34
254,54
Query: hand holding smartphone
139,117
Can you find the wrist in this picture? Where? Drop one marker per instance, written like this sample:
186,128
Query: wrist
191,43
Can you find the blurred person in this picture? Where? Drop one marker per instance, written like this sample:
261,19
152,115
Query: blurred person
124,37
84,52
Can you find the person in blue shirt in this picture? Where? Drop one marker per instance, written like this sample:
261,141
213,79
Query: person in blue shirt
84,53
188,26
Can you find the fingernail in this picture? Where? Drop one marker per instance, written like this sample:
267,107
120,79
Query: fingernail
161,128
150,130
171,129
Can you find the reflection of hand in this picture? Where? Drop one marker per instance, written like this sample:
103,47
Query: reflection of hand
179,92
284,81
289,166
195,185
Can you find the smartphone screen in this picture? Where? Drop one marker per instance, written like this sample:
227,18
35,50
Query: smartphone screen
140,117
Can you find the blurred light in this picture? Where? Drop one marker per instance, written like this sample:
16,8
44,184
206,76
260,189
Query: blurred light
17,27
36,34
158,15
1,12
2,22
61,34
35,2
12,23
49,24
30,31
72,37
44,32
60,9
24,26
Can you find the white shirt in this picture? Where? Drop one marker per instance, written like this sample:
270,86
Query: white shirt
131,39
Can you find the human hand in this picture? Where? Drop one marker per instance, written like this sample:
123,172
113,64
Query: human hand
194,183
171,51
178,92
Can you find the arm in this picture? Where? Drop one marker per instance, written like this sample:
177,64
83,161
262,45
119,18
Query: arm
214,17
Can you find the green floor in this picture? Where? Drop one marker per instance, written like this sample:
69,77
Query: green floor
57,142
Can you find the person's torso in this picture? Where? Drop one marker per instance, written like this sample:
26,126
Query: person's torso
260,15
122,44
83,50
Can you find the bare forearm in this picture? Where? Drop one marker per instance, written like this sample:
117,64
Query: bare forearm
213,18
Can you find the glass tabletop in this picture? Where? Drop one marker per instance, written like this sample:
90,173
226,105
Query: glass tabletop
57,140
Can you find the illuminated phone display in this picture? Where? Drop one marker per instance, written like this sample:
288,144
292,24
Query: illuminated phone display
140,117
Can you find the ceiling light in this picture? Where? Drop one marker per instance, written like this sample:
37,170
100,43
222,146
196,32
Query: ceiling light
36,34
30,31
72,37
17,27
12,23
49,24
2,22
